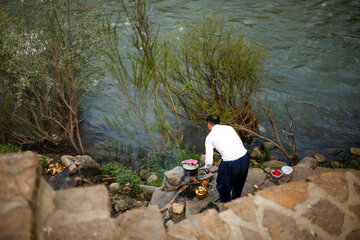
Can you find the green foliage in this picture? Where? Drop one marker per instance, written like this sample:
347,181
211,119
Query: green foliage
48,51
121,174
42,161
9,148
352,164
259,165
267,152
215,70
135,71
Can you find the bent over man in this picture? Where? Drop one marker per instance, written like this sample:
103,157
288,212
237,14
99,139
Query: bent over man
234,166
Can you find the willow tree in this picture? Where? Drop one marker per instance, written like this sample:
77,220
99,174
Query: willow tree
136,62
215,70
48,49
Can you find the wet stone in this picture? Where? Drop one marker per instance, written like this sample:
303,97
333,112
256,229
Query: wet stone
333,183
327,216
283,227
288,195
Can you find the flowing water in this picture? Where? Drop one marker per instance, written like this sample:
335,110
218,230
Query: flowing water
314,49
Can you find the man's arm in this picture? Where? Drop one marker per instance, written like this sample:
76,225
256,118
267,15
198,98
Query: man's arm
209,152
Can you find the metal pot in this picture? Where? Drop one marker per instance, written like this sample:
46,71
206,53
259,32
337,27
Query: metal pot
190,170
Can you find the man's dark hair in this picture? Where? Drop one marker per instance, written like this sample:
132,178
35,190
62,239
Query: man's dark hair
213,119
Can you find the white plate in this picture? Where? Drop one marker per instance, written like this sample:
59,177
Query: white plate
286,170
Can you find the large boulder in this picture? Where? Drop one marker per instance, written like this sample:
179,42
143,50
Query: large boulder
88,167
256,176
173,176
207,225
161,198
83,163
257,154
355,151
275,164
45,207
268,145
144,223
19,182
78,205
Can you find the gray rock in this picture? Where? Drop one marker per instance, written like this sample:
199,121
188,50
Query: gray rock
178,208
72,169
178,212
148,188
114,187
88,167
193,207
77,162
275,164
257,154
256,176
173,177
87,204
169,223
142,223
320,158
335,151
67,160
308,163
261,129
355,151
254,162
161,198
152,179
269,145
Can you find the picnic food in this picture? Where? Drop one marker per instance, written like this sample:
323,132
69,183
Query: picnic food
276,172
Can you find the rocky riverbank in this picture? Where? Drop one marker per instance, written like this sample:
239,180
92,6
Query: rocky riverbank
322,206
81,171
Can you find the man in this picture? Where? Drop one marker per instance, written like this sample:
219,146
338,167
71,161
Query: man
234,166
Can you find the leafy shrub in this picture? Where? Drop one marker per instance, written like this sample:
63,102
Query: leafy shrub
9,148
47,55
121,174
259,165
216,70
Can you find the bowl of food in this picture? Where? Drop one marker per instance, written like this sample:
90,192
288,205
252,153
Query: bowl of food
200,192
276,173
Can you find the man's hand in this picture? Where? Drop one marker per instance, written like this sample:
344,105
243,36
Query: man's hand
218,162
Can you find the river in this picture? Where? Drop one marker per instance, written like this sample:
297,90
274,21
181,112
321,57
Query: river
314,49
313,66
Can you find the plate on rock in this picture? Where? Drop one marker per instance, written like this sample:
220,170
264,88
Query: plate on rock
287,170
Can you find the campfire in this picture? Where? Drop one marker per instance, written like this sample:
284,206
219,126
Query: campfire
194,182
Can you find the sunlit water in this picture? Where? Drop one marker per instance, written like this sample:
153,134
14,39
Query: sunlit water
314,49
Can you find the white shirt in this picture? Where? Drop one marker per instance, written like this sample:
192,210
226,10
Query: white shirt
226,141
